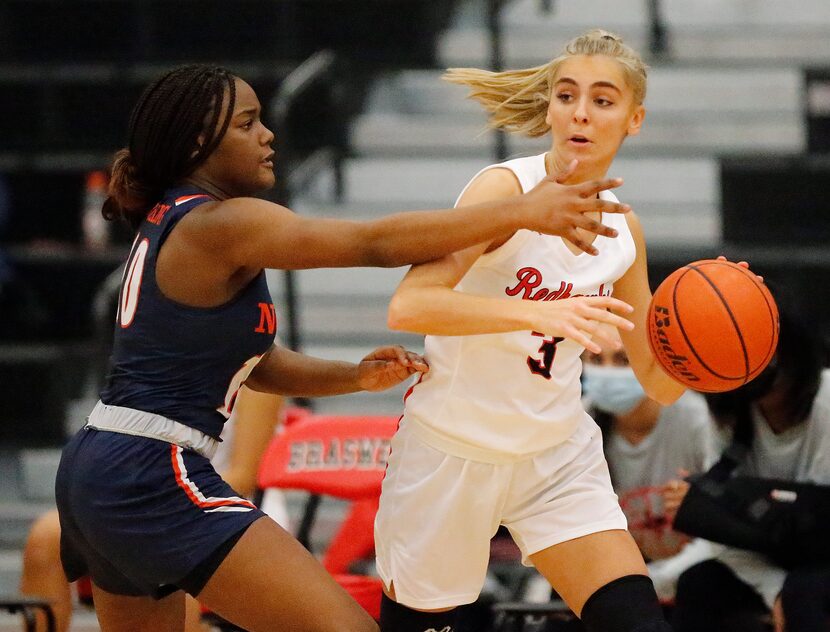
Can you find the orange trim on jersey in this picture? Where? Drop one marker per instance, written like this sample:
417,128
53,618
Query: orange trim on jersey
187,198
193,492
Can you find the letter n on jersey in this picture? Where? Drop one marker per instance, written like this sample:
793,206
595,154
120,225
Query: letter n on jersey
267,319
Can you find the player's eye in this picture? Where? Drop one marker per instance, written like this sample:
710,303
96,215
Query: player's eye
565,97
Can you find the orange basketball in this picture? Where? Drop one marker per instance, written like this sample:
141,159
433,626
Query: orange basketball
712,325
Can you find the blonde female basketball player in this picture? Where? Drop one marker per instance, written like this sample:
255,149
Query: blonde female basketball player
495,433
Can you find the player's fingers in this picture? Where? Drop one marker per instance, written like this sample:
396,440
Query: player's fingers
743,264
567,172
417,362
397,370
609,302
608,318
605,206
583,338
572,236
602,335
391,352
401,355
592,187
593,226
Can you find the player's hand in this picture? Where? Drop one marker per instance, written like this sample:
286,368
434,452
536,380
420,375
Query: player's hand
388,366
743,264
584,319
559,209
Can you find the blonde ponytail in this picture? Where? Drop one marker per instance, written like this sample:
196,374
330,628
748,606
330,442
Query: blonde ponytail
517,100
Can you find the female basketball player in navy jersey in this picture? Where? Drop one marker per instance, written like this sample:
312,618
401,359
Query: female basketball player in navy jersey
495,433
141,508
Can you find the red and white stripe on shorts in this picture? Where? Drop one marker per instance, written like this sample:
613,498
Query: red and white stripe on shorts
230,503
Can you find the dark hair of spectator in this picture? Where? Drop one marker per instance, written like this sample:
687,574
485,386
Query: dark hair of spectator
796,368
173,128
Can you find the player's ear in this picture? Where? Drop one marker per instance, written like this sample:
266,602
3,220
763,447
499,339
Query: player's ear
636,121
200,142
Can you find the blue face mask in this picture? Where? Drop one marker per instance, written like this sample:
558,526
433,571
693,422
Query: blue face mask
612,389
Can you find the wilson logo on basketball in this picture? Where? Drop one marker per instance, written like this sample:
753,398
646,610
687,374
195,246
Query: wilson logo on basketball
713,325
360,453
661,343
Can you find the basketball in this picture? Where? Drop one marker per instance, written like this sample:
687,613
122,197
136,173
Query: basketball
712,325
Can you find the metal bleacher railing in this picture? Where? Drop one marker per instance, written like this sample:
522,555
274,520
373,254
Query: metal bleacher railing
317,70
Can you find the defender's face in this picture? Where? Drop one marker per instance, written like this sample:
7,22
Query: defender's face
591,111
242,163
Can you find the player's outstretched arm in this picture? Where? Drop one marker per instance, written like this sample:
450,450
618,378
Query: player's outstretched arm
633,289
426,301
293,374
252,233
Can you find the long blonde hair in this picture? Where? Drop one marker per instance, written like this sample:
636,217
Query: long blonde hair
517,100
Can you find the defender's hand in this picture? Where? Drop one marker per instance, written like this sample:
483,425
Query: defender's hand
386,367
559,209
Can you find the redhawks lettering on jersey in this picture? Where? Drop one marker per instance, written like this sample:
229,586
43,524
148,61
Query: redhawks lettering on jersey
267,319
359,453
530,278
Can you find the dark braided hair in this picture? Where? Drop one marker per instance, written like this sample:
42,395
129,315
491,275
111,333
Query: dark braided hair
173,128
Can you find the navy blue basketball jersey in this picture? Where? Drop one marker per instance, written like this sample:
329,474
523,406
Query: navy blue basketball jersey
184,363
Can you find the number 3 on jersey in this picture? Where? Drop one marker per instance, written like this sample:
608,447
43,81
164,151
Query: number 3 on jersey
548,351
131,284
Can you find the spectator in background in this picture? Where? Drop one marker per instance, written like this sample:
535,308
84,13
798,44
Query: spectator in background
245,437
788,408
647,445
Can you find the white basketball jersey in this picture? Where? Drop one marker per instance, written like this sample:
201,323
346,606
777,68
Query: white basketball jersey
500,397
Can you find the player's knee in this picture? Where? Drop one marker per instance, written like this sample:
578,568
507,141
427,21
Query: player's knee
42,548
627,604
395,617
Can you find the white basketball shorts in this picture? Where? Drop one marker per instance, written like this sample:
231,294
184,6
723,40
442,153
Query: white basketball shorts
438,512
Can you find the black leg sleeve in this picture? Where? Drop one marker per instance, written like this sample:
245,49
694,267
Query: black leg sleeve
627,604
395,617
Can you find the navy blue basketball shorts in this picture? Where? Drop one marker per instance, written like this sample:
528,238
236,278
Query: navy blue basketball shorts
144,517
